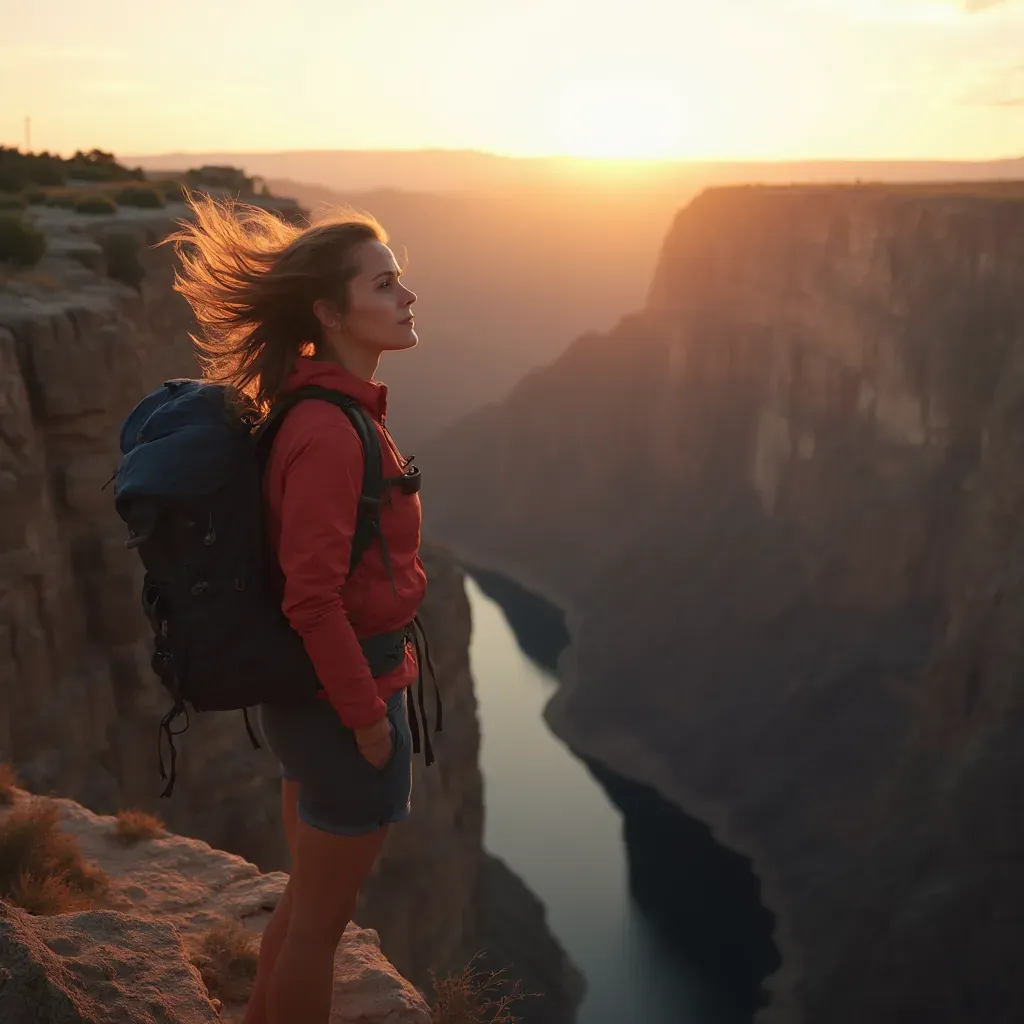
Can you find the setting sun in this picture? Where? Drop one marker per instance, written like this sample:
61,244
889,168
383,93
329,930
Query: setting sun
630,119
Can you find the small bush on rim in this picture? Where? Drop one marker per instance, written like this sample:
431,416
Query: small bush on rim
173,191
121,255
143,196
64,199
41,867
133,826
20,242
96,204
228,961
471,996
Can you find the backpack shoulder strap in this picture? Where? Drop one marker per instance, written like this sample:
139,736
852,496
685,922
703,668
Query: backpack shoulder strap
368,514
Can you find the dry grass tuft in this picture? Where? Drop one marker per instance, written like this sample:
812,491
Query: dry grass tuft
471,996
41,867
228,961
133,826
47,894
8,782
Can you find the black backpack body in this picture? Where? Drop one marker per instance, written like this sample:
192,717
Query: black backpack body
189,488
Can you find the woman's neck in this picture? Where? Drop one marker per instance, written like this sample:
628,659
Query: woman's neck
359,362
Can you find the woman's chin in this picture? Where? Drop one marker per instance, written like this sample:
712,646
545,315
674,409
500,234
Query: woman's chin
406,338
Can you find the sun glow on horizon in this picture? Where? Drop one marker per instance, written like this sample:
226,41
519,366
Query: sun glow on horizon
625,119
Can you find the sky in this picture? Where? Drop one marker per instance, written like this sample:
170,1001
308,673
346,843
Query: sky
672,79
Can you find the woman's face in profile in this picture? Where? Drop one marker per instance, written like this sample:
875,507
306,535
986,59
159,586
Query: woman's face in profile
380,306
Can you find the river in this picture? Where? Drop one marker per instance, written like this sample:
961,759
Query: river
550,820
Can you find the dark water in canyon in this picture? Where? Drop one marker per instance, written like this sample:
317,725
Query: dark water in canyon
666,924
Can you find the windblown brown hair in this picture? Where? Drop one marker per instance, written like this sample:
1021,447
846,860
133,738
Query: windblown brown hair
251,280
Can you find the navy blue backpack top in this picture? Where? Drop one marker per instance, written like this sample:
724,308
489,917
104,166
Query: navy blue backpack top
189,488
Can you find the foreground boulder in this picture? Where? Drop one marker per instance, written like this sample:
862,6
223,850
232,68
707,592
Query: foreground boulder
166,895
96,967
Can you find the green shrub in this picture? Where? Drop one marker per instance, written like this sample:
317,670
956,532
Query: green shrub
12,178
23,170
35,196
232,179
20,242
121,255
144,196
12,202
47,170
67,200
96,165
173,191
96,204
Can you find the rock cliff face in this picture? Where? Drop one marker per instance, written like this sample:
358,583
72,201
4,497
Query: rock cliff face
782,507
79,705
75,351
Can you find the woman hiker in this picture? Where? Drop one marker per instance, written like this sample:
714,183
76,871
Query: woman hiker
280,308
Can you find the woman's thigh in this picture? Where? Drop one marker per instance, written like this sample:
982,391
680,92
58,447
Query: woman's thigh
327,873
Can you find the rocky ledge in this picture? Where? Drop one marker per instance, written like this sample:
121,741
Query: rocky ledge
137,956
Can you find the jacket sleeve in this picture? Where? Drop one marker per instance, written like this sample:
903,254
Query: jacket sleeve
322,483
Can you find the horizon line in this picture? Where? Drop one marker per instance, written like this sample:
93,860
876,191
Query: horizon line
567,157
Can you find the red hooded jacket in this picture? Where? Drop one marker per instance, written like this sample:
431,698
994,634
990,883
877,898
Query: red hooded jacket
312,485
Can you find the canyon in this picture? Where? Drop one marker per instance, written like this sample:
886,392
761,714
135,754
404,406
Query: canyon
79,704
779,505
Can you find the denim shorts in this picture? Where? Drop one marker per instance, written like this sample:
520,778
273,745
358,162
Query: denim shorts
339,790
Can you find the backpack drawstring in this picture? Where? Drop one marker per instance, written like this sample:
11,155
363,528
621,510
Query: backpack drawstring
166,730
417,632
248,729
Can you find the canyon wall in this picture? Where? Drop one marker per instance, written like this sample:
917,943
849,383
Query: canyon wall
79,705
781,505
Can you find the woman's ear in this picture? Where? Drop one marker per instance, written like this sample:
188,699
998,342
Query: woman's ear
328,314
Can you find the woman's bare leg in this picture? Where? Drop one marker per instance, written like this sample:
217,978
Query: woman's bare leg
327,873
277,926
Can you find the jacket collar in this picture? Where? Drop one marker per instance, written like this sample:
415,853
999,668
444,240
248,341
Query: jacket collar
370,394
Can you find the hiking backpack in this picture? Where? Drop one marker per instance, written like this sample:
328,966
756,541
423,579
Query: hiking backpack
189,488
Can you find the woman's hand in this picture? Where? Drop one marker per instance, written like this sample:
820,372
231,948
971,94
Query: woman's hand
375,742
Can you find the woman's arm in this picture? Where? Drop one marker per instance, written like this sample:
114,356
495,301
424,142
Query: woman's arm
322,483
